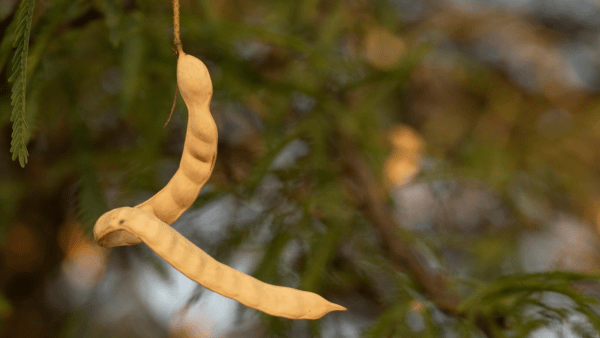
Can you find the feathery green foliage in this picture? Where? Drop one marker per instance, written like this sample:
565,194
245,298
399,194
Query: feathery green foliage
522,299
20,134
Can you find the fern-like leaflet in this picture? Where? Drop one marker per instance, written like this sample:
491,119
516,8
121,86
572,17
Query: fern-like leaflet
20,134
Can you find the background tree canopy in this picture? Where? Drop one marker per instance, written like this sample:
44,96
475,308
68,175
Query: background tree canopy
430,165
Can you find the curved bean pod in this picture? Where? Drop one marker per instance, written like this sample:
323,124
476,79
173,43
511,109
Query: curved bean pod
149,222
199,149
196,264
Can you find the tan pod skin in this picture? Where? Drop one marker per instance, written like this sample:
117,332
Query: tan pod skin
199,149
184,256
150,221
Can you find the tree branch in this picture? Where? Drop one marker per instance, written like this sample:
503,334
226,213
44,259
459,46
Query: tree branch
371,196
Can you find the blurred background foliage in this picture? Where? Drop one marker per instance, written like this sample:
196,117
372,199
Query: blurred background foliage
430,165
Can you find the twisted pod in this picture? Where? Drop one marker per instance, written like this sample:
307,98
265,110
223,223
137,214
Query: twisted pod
150,221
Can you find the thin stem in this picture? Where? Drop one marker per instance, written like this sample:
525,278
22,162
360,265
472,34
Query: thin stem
173,107
176,38
179,50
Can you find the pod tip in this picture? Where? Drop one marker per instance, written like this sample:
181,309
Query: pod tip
340,308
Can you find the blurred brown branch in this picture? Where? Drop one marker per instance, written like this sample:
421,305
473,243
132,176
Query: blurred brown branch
370,195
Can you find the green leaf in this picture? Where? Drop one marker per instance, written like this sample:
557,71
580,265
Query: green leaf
20,135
